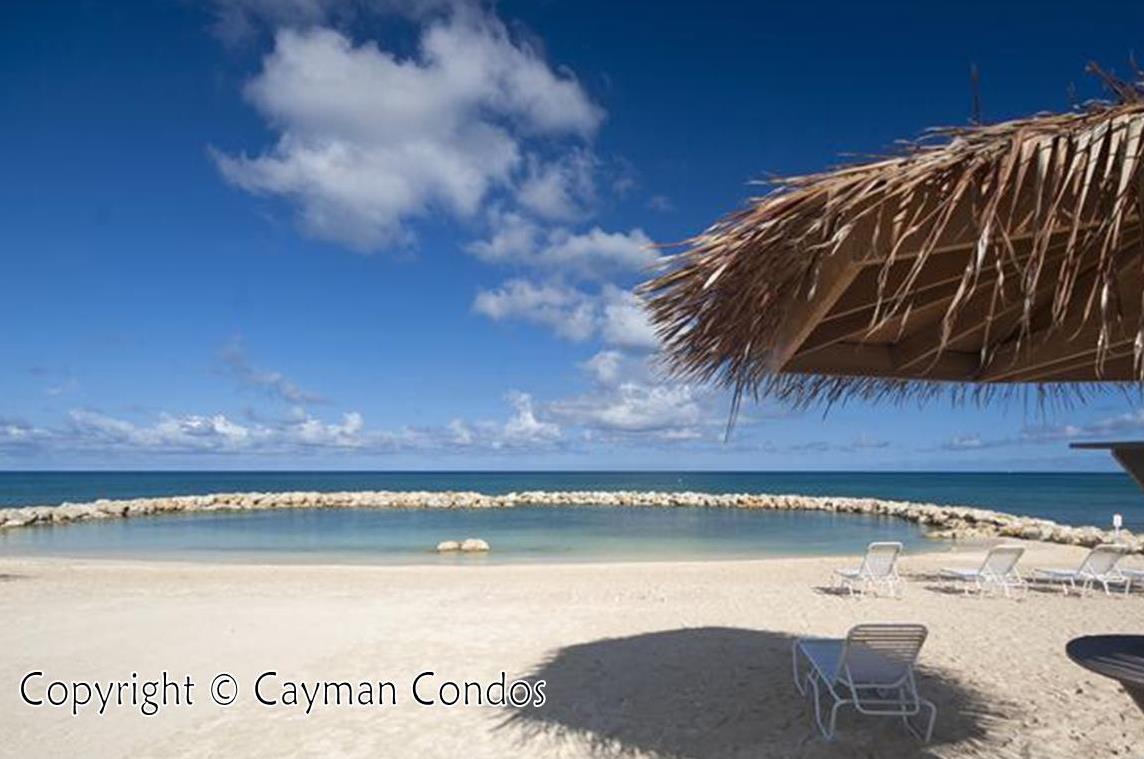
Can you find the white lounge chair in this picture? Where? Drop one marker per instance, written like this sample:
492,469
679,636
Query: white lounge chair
1132,576
872,669
1098,567
879,569
997,572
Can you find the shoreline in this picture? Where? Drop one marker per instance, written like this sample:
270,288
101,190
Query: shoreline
431,559
945,522
951,550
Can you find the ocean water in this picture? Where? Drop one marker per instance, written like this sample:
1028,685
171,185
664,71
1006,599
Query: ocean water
523,534
582,533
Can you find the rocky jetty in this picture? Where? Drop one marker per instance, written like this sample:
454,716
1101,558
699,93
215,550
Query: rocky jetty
951,522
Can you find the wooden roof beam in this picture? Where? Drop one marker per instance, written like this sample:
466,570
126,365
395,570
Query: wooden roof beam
849,359
921,346
858,324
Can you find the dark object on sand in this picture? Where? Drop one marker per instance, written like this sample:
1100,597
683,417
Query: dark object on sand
1120,657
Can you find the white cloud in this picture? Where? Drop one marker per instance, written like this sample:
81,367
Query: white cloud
605,367
625,321
523,430
524,427
569,312
635,407
614,315
219,434
92,432
348,434
632,400
964,443
560,190
16,434
177,433
368,141
660,203
594,254
597,251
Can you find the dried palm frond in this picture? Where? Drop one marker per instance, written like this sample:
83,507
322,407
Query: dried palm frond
1042,217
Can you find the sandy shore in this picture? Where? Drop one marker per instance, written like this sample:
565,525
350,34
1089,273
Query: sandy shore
683,659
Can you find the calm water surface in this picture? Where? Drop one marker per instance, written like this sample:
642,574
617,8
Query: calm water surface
531,534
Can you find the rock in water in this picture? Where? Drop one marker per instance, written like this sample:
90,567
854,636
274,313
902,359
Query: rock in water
472,545
448,545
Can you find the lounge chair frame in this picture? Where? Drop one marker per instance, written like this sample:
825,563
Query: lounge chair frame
998,572
878,571
1098,568
1132,576
872,669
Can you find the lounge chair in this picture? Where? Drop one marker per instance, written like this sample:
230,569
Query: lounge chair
1098,567
997,572
879,569
1132,576
872,669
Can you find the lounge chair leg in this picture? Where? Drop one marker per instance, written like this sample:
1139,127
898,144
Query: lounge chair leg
800,687
932,719
813,680
833,720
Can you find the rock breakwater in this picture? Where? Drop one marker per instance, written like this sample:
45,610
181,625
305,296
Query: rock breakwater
951,522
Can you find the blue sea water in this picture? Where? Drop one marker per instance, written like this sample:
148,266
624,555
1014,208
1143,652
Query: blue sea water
581,533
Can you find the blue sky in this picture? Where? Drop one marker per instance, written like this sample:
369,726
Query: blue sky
404,233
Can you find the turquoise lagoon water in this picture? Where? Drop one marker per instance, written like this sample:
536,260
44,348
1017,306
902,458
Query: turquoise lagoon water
581,533
521,534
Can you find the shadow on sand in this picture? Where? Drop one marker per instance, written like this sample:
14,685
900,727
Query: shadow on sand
718,692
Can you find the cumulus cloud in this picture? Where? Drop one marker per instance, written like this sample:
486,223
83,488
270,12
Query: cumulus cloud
613,315
86,431
368,140
170,433
964,443
524,427
16,434
635,407
273,384
625,321
570,313
523,430
605,367
561,190
592,254
631,400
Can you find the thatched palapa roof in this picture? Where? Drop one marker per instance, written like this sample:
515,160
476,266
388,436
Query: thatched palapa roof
978,259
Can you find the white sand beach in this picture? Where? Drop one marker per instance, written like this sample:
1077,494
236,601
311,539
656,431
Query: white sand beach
648,659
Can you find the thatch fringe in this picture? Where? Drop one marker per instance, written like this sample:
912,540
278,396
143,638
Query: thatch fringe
1067,187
